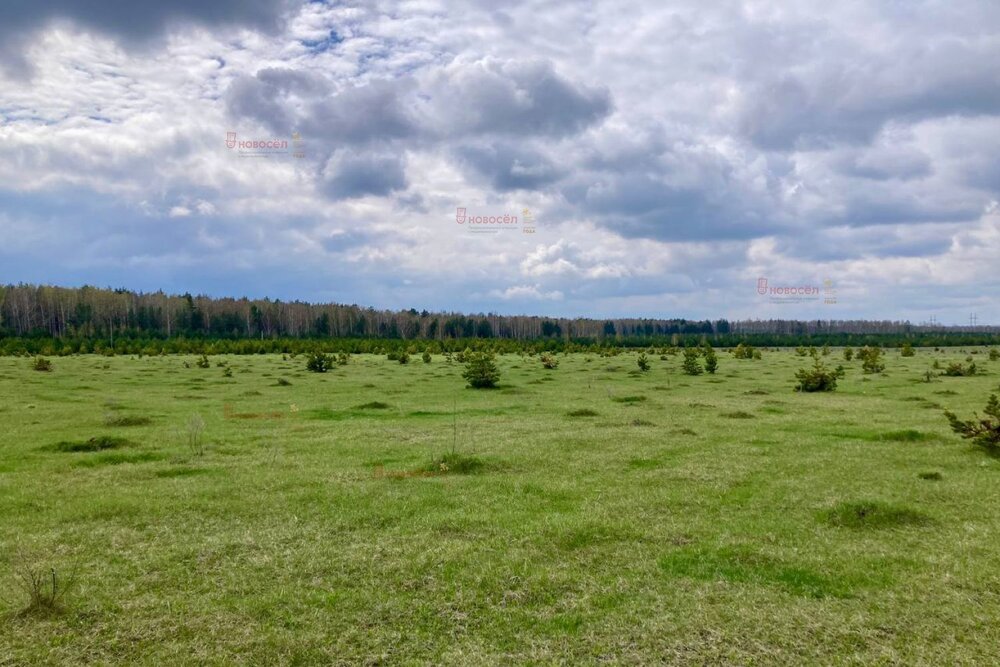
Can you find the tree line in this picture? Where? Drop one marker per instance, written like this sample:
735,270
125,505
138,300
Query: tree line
91,314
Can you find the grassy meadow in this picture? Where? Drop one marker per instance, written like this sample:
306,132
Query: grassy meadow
386,514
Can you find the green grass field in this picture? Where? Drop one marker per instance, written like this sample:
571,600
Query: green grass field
586,514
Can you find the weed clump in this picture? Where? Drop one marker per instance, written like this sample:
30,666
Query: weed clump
582,412
549,362
45,588
42,364
933,476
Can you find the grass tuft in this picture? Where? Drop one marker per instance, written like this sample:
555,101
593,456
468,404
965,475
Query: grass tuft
873,514
111,419
96,444
373,405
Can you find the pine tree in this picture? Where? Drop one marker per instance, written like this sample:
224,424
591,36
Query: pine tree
711,360
691,364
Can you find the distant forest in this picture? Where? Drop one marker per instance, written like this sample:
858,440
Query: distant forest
80,318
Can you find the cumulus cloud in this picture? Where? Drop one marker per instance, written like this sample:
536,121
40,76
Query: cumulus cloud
670,151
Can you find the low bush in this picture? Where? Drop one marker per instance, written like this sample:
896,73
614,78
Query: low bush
42,364
818,378
957,369
319,362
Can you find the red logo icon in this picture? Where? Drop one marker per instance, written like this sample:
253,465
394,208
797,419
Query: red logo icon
230,140
762,286
460,216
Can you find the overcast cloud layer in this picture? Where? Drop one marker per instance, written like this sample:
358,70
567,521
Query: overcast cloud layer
670,153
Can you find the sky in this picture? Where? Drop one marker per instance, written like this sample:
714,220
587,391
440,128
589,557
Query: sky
651,158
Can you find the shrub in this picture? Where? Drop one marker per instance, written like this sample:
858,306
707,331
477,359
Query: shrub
42,364
549,362
343,358
818,378
227,373
956,369
711,360
319,362
744,351
481,370
282,382
203,362
404,357
871,359
985,431
906,350
848,353
642,362
426,357
826,349
801,351
994,354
